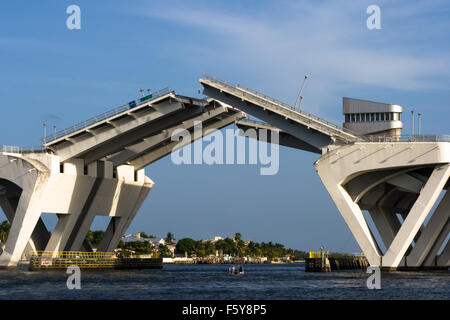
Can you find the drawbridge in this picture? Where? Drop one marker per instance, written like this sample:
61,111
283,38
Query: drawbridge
97,167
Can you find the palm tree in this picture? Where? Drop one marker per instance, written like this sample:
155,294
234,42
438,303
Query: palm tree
169,238
4,231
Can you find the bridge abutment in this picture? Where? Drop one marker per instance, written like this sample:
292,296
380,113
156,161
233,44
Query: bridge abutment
386,179
74,194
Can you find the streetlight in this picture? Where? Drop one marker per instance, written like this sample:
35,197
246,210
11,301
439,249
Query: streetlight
418,123
412,118
45,126
299,97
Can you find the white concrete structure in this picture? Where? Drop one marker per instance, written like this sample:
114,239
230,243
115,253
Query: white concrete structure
33,184
370,168
372,118
95,168
386,179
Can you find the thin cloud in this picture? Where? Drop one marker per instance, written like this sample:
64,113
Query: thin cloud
325,41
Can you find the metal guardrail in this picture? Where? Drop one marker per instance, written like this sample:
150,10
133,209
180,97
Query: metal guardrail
278,105
387,139
16,149
411,138
401,138
103,116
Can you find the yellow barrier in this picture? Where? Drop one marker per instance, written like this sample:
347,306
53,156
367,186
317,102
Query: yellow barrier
318,254
72,255
359,255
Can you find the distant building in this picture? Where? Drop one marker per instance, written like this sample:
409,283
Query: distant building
172,248
156,241
137,237
133,238
215,239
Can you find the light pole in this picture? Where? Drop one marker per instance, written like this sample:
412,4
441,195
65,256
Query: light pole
45,127
418,123
412,118
299,97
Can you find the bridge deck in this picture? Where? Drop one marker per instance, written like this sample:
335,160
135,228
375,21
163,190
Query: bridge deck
139,134
267,103
108,115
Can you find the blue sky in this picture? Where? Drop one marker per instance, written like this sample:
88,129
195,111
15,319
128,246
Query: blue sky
60,76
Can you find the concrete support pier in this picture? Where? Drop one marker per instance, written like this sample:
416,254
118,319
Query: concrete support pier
38,183
387,180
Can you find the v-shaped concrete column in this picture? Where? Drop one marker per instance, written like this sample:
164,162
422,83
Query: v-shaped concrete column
40,235
354,218
27,214
417,215
430,233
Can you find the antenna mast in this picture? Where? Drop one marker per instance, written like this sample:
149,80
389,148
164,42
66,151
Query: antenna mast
300,97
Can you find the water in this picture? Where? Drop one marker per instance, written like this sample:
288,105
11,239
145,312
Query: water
282,281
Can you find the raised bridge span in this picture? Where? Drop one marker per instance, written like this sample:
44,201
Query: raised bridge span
397,179
96,168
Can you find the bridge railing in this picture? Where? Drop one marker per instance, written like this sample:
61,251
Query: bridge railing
279,105
103,116
17,149
410,138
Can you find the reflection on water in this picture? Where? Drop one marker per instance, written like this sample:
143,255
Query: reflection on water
213,282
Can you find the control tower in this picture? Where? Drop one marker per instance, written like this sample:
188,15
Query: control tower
372,118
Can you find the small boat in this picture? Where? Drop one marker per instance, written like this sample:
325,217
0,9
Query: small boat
234,270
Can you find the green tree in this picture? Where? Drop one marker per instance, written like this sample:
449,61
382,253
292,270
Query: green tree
4,230
186,245
144,235
199,249
164,251
240,247
169,238
210,248
227,246
95,237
